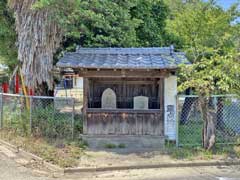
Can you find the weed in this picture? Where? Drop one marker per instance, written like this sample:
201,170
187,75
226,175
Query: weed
64,154
196,153
110,146
121,145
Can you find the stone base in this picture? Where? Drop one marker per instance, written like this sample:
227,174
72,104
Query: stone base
127,141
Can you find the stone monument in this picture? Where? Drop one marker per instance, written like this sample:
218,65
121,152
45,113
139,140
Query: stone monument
109,99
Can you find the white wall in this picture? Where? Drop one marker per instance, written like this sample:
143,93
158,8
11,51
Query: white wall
170,118
77,82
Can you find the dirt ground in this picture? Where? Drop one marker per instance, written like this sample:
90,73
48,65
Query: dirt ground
126,157
197,173
12,170
14,167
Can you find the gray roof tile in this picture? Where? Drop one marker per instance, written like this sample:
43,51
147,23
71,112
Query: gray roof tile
133,58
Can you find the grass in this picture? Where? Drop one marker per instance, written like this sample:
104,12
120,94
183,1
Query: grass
113,146
46,121
50,135
121,145
198,153
62,153
110,146
191,133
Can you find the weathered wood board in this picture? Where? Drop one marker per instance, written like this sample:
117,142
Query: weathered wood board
122,123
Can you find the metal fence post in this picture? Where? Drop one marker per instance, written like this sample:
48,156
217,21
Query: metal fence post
54,103
177,123
73,114
1,104
30,116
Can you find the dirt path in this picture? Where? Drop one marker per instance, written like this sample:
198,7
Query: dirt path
134,157
199,173
12,168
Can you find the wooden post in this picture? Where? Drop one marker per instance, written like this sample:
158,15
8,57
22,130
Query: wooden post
1,106
73,117
85,103
161,100
30,116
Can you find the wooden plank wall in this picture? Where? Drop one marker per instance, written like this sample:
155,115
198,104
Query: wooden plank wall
126,90
118,123
125,120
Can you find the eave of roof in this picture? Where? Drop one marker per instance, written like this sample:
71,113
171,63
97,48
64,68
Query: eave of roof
123,58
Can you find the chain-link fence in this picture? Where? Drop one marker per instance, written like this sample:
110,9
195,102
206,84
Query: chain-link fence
48,117
226,111
76,93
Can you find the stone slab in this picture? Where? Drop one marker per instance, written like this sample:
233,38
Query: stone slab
129,141
140,102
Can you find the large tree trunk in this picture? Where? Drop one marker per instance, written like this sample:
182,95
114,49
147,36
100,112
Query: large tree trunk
39,36
209,136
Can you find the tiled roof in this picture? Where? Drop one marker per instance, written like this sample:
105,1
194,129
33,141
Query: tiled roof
123,58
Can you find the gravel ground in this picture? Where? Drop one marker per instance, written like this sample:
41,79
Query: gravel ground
129,157
11,170
197,173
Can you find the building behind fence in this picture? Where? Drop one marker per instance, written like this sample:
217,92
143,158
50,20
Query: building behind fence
227,119
49,117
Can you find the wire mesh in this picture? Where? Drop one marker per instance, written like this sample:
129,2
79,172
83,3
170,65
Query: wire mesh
15,114
48,117
226,115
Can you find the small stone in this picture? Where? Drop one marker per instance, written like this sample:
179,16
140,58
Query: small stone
22,161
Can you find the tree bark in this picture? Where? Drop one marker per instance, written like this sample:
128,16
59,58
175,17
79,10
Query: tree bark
209,132
39,36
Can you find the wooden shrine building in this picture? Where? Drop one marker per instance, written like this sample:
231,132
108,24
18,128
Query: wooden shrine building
129,93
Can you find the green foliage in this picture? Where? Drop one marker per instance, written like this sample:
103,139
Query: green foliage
208,36
121,145
191,133
16,119
203,27
47,122
198,153
94,23
110,23
153,15
8,50
214,75
78,124
105,23
110,146
66,156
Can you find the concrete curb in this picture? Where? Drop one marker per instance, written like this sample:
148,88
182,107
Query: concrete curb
24,153
153,166
58,169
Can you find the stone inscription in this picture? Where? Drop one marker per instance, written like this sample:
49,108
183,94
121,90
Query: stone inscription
170,117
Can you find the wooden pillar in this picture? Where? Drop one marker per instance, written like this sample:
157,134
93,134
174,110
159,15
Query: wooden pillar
161,93
85,103
161,101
